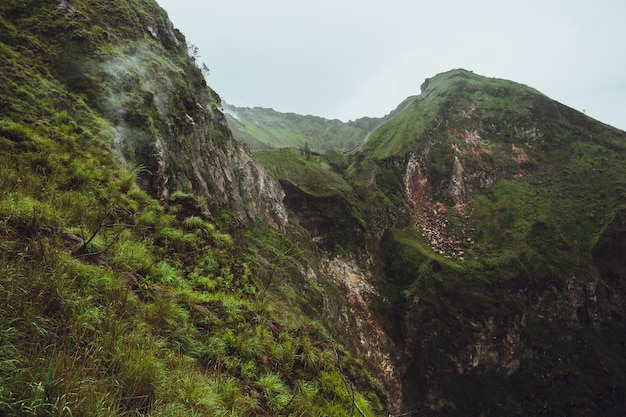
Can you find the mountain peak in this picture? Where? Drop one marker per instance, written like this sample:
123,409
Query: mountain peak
435,81
458,80
497,109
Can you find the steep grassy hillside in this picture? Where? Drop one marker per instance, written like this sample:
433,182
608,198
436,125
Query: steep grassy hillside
130,284
317,175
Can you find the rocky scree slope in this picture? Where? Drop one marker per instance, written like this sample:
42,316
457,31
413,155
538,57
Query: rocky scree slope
490,223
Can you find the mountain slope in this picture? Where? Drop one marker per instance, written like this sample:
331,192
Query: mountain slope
142,271
467,259
492,226
263,128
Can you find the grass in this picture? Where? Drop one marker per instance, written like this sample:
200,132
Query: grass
115,302
111,330
266,128
314,175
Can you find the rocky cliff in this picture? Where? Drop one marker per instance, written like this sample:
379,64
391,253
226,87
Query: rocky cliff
190,148
134,69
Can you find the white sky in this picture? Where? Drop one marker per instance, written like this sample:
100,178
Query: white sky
346,59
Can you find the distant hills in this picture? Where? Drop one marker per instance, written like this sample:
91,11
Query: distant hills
263,128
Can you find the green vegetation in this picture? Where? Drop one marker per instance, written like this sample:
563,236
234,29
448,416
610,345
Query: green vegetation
316,175
120,299
559,203
116,303
318,194
427,117
532,233
529,253
266,129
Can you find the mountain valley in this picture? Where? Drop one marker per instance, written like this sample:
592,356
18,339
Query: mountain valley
164,253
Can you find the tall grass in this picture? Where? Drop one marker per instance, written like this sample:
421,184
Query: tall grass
114,303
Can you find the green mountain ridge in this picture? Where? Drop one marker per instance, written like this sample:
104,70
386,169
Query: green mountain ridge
494,216
264,128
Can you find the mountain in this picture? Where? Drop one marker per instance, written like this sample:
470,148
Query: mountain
147,262
515,204
464,255
487,223
263,128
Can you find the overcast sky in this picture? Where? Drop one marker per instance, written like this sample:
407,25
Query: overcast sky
346,59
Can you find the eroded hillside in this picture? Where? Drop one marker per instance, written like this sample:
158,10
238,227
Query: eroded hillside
490,231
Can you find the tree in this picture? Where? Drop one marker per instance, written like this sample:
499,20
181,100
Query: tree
306,151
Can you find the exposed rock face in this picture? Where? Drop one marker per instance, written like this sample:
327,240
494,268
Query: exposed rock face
414,181
456,189
174,129
202,156
362,326
547,332
430,216
261,194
